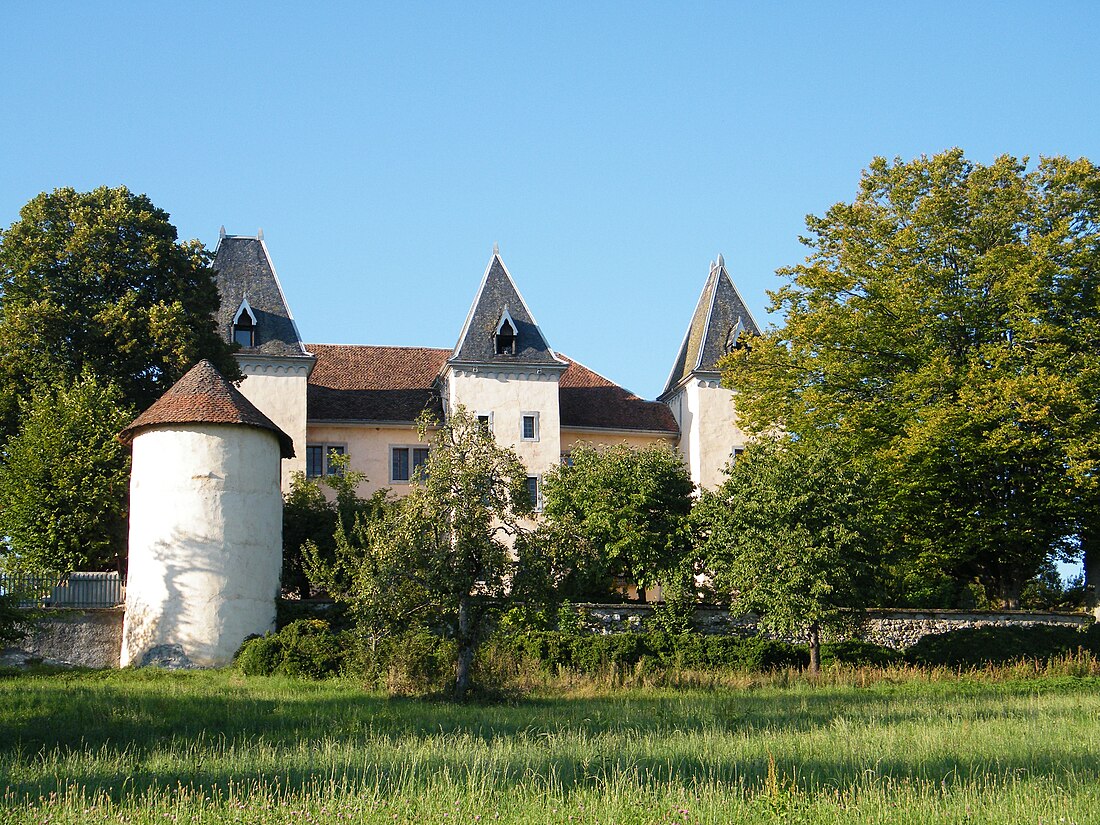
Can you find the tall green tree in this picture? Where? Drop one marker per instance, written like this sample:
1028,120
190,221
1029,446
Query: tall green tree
447,553
617,511
64,480
311,517
97,281
792,535
945,327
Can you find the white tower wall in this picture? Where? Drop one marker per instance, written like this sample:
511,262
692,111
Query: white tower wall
205,540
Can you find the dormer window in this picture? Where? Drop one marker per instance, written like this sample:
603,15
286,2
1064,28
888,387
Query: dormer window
244,326
505,335
733,336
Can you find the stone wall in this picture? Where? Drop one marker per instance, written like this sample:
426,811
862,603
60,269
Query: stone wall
897,629
89,638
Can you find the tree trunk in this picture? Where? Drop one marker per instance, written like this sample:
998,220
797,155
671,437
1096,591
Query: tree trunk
1090,550
465,650
815,648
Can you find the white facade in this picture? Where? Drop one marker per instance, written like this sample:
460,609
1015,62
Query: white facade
708,425
507,397
205,540
278,387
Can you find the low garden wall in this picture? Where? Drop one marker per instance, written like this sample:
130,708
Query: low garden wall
88,638
896,629
93,637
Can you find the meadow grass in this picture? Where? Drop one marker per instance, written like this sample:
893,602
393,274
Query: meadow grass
1009,745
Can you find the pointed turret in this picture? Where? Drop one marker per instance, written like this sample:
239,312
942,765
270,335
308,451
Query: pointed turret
500,330
719,319
503,370
255,316
254,311
203,396
704,410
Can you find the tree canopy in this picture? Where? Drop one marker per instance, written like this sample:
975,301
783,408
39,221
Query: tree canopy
617,511
946,328
102,309
64,480
445,555
792,535
97,281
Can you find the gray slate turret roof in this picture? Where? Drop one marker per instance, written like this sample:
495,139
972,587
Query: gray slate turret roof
720,316
245,273
477,342
203,396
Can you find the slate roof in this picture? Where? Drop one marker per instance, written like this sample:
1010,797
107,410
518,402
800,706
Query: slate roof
477,342
588,400
396,384
245,272
355,383
203,396
719,313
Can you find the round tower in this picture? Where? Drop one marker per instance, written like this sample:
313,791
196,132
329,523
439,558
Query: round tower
205,521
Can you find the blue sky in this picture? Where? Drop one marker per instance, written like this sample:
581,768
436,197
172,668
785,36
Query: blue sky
611,149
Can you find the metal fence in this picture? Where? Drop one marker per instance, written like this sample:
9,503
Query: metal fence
72,590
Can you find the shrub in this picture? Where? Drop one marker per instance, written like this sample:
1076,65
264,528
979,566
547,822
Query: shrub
676,651
307,647
859,654
260,655
997,645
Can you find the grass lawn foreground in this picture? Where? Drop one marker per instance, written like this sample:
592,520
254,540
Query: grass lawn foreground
217,747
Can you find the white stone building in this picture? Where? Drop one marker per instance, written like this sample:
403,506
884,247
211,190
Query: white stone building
363,401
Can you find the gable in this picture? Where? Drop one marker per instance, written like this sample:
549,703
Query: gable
497,298
246,276
719,315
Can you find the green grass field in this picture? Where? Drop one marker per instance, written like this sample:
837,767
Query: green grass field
216,747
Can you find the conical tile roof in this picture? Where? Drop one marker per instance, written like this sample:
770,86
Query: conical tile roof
720,317
203,396
498,295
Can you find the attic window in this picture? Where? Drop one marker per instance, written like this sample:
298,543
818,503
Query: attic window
733,337
506,335
244,326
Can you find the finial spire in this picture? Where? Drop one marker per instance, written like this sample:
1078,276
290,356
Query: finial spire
260,234
721,261
496,248
221,232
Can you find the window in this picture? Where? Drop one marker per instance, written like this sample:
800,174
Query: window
486,421
735,453
405,463
244,326
529,426
319,459
533,492
505,335
567,459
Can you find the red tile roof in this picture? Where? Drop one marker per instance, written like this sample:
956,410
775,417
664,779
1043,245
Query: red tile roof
588,400
203,396
353,383
356,383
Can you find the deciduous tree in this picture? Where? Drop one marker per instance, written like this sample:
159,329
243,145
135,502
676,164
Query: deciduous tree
97,281
64,480
446,554
617,511
946,327
792,536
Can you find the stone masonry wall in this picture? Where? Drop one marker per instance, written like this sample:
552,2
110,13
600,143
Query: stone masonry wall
89,638
896,629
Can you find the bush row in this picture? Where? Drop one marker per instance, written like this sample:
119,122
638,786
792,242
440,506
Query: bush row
1000,645
419,661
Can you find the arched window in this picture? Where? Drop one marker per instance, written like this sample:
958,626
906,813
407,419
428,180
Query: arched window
244,326
506,334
